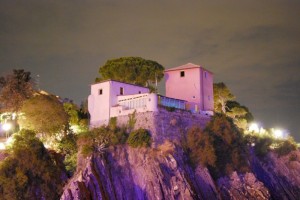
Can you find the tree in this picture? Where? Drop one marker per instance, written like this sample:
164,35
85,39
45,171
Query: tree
30,171
221,95
133,70
15,89
240,114
44,114
230,149
200,147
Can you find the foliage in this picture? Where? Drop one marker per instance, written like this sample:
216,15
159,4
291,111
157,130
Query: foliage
15,89
72,110
285,147
223,103
139,138
96,139
230,149
30,172
262,145
220,147
240,114
68,147
44,114
200,147
131,121
133,70
221,95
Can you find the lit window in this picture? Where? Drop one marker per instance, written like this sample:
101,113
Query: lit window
121,90
100,92
182,74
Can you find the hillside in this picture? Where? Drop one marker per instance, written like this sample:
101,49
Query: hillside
211,162
127,173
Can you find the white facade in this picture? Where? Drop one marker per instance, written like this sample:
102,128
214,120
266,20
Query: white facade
112,98
188,87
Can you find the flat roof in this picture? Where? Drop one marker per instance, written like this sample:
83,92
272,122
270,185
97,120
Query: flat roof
186,66
107,80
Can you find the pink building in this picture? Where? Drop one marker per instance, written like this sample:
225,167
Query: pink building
188,87
193,84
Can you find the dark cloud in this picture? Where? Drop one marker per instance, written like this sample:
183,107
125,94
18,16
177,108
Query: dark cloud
252,46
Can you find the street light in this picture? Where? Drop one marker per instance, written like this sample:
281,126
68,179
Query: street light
6,127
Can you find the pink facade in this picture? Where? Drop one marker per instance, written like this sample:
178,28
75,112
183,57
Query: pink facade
188,87
192,83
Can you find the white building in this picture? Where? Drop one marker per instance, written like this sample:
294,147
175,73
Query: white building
113,98
188,87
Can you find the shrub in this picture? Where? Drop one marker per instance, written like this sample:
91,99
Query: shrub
285,147
220,147
67,146
139,138
96,139
30,172
200,147
262,145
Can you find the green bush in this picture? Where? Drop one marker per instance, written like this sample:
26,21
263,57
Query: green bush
101,137
220,147
139,138
68,146
30,171
200,147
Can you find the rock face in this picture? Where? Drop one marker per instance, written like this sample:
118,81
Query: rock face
127,173
242,187
281,175
164,173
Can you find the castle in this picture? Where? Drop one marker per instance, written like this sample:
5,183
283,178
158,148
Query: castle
188,87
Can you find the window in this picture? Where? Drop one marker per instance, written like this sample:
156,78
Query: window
100,92
208,98
121,90
140,92
205,74
182,74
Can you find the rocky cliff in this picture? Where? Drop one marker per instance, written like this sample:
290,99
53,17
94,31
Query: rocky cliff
123,172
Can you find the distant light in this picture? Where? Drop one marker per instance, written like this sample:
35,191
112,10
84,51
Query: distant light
6,126
277,133
2,146
254,128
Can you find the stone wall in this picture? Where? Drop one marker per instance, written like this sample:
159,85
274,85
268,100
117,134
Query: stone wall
165,124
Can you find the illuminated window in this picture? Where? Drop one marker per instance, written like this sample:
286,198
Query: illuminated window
100,92
182,74
121,90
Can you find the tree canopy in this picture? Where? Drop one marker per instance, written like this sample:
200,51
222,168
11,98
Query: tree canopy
44,114
15,88
30,171
133,70
222,94
224,103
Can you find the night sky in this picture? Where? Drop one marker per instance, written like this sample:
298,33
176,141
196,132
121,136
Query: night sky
252,47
